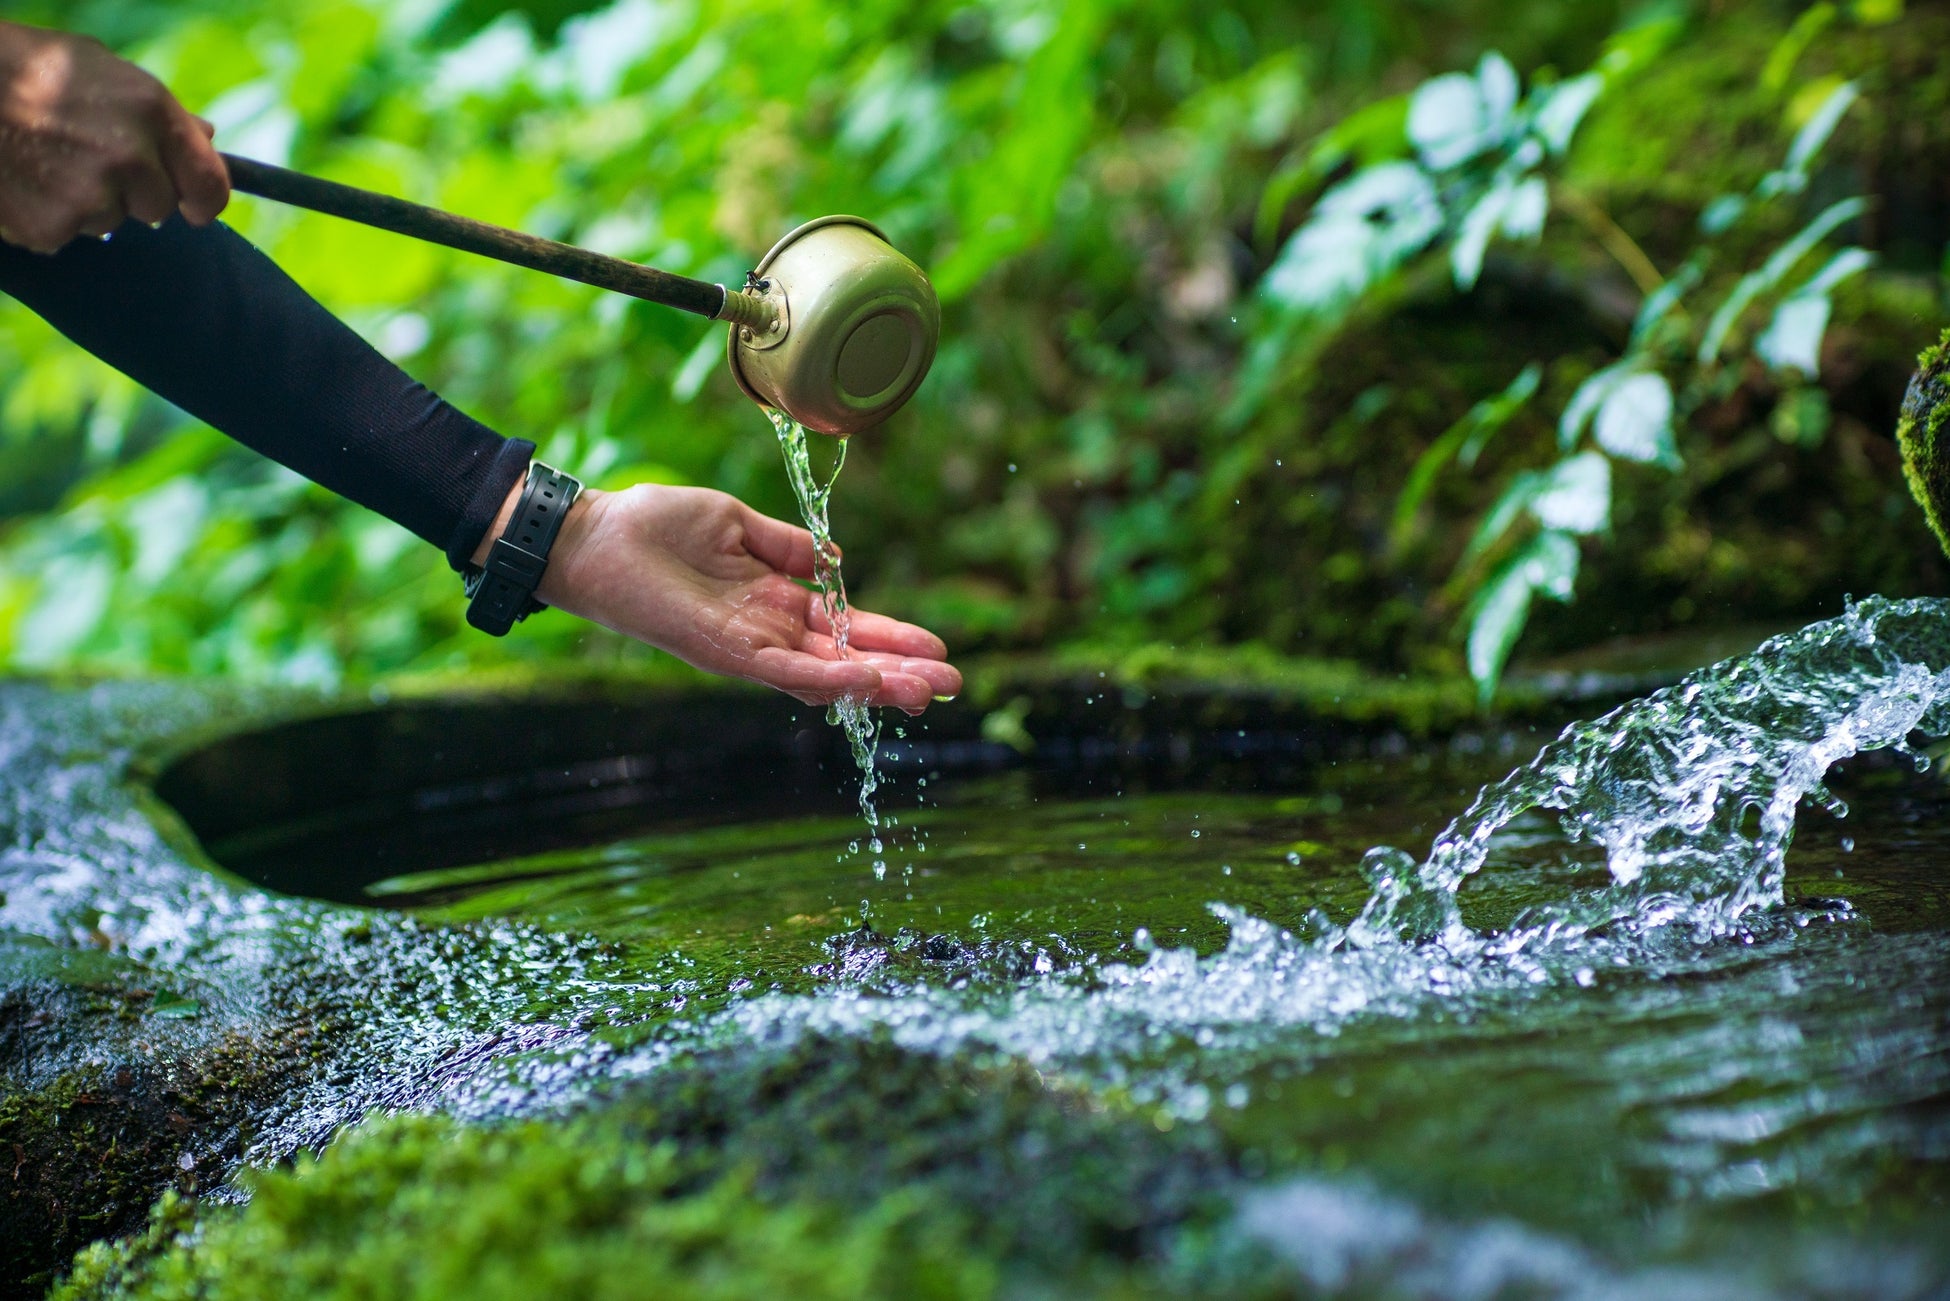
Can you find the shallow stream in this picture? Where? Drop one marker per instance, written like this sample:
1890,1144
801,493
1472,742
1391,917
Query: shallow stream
1629,1027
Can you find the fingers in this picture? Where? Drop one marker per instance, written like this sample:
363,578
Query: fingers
819,680
812,679
148,194
786,547
943,681
195,169
876,632
45,224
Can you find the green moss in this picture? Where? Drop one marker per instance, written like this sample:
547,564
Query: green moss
1920,435
831,1168
1230,685
424,1207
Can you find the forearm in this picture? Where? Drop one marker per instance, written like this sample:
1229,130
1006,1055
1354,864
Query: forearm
202,318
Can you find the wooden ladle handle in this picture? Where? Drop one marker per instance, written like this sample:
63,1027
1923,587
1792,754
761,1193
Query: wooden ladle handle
431,224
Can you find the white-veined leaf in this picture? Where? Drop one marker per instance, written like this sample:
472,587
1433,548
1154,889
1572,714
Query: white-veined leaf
1789,255
1516,210
1844,264
1548,565
1772,272
1793,340
1575,496
1360,231
1564,107
1523,216
1635,422
1719,216
1498,82
1446,121
1473,239
1551,562
1495,625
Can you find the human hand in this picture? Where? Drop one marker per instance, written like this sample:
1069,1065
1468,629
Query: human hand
88,140
703,576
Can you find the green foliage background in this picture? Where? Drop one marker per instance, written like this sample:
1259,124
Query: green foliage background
1097,187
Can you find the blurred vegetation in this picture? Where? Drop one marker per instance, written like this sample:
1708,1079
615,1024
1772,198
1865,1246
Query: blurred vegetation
1137,432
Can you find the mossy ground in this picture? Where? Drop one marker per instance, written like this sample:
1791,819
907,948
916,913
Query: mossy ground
831,1168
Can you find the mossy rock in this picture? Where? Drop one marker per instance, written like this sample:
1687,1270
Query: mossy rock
116,1082
1921,435
833,1167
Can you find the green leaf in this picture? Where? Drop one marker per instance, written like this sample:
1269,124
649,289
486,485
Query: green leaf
1516,209
1809,140
1772,272
1547,566
1370,135
1793,340
1563,108
1496,623
1362,230
1464,441
1585,403
1660,302
174,1006
1514,500
1789,49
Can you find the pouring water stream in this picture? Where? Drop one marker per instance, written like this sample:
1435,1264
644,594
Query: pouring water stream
855,716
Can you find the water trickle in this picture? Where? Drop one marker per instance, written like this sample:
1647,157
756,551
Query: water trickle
855,716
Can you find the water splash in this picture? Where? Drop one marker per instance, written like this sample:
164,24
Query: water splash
862,728
1691,793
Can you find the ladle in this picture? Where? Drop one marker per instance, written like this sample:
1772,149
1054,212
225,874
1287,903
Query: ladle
835,327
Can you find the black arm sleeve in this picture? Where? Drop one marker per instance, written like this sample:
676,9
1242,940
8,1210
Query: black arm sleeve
202,318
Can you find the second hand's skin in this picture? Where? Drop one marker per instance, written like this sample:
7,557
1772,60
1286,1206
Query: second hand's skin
89,140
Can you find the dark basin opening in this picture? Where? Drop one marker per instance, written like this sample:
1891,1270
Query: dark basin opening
327,806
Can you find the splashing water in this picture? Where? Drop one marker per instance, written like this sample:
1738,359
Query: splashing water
1668,785
1690,792
862,728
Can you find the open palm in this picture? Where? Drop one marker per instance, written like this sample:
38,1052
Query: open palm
703,576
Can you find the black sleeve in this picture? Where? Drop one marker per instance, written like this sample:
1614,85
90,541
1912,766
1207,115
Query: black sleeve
202,318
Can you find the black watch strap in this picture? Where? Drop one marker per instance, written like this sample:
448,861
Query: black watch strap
503,591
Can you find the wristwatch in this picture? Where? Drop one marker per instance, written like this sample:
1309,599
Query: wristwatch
502,592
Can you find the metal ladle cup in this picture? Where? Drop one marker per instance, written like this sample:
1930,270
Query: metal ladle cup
852,331
834,328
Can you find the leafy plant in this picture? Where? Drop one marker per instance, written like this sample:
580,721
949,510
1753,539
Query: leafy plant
1474,157
1628,411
